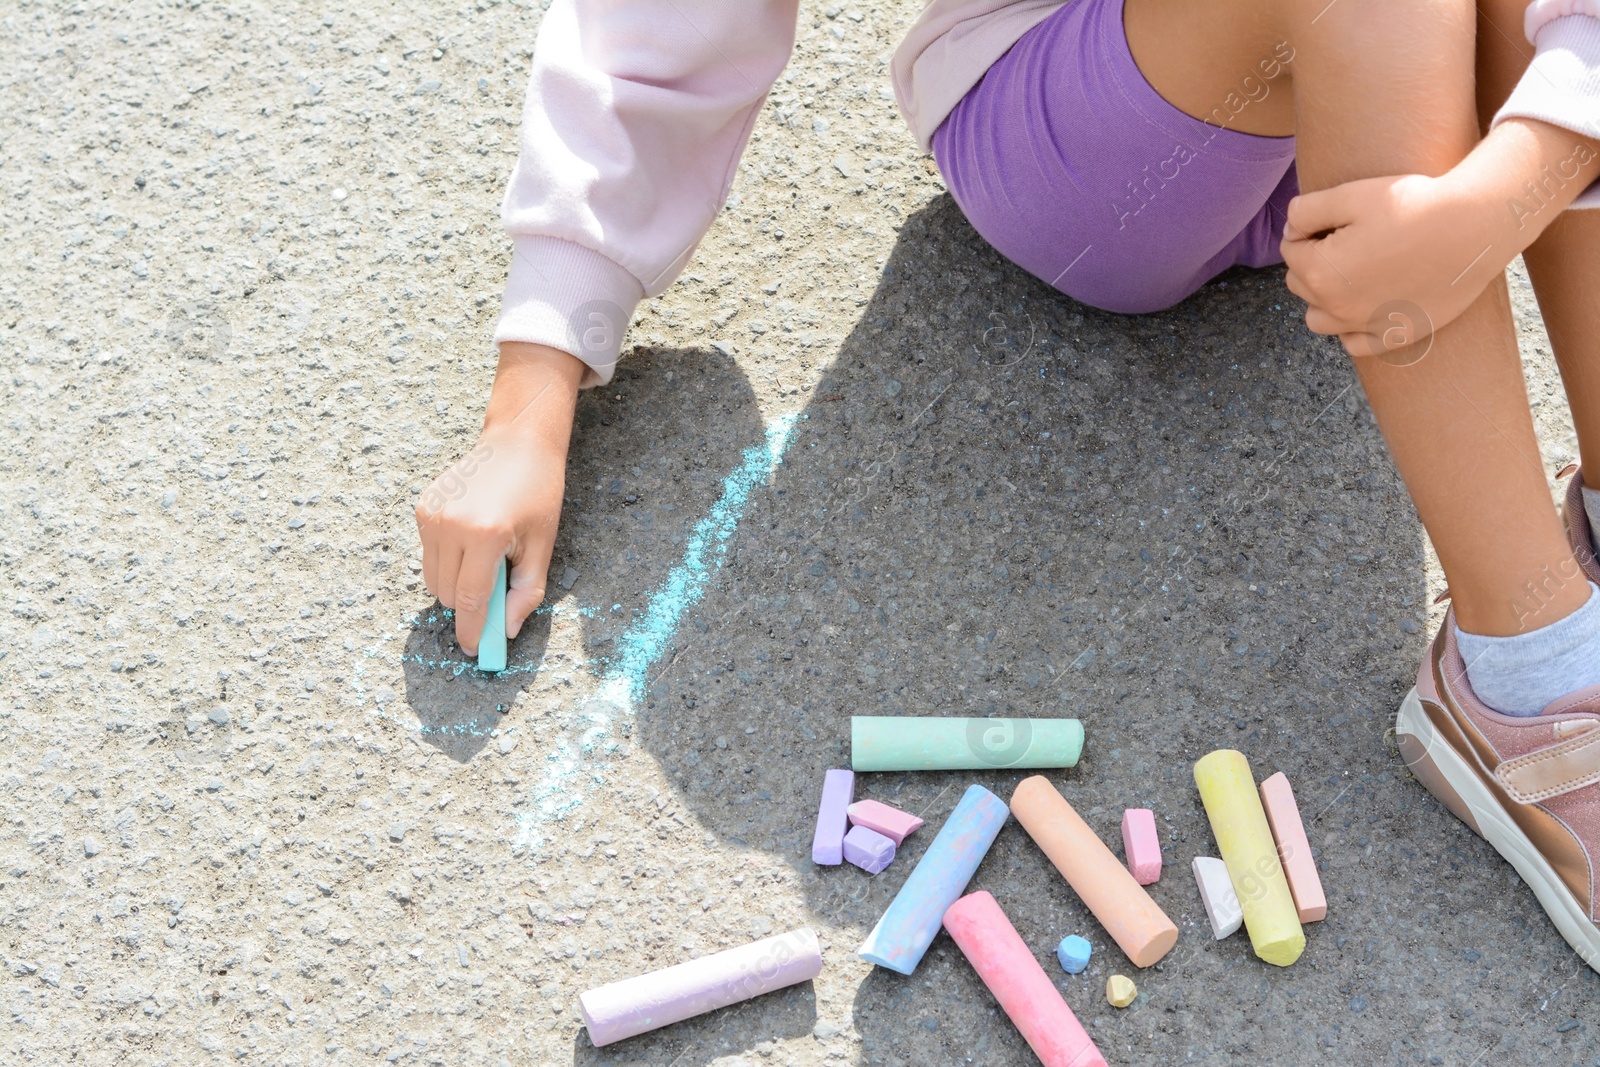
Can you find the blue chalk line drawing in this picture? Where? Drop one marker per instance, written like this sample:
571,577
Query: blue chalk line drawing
625,676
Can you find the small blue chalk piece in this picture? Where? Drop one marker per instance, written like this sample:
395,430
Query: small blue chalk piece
492,642
1074,953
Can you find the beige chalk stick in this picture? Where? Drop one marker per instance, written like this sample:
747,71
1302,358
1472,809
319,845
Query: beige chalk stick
1294,849
1137,924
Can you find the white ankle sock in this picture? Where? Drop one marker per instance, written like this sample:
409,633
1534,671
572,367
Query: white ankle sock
1525,674
1591,504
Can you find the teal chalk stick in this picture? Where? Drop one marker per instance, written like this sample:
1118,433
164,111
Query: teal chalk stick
925,743
492,645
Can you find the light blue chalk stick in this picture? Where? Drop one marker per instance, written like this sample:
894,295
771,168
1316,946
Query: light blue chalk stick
906,930
1074,953
492,645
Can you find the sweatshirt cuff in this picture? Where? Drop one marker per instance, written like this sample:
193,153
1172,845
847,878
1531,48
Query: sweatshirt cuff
1540,13
569,297
1562,85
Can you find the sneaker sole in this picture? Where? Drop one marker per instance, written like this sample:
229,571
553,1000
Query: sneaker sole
1448,777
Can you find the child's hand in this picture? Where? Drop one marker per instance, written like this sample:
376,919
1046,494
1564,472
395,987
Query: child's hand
503,498
1385,262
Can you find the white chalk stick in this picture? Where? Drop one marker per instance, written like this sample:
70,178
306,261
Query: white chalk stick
1216,892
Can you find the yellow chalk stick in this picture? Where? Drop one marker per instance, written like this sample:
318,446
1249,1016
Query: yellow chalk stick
1120,991
1239,824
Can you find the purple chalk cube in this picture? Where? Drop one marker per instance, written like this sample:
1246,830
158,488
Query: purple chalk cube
868,849
838,789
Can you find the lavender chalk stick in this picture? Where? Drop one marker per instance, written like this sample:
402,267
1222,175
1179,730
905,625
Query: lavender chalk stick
651,1001
868,849
903,935
892,823
827,847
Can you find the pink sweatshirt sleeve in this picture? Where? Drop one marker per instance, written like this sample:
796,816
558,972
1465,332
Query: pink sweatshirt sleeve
1562,84
636,115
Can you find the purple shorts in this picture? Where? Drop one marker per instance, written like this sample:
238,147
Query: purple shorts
1068,163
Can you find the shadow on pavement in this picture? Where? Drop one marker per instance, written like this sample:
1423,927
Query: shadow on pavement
456,704
1181,528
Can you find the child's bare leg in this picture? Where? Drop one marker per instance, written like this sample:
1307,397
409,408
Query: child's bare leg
1383,88
1564,263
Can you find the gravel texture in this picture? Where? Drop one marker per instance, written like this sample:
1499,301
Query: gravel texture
257,810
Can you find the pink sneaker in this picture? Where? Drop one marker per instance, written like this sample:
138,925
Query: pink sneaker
1528,786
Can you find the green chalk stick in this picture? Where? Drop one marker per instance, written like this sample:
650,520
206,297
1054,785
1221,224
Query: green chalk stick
922,743
492,644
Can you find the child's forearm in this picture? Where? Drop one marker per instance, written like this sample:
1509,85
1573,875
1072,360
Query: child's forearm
535,391
1525,173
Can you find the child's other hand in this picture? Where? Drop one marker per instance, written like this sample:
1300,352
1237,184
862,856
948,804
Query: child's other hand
503,498
1384,262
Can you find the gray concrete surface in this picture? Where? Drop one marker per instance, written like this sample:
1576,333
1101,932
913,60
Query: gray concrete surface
254,811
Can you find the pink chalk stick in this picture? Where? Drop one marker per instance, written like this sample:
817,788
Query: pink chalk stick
868,849
892,823
650,1001
1141,846
1001,958
1294,850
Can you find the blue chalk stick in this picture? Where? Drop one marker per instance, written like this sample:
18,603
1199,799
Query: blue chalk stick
838,789
492,643
906,930
1074,953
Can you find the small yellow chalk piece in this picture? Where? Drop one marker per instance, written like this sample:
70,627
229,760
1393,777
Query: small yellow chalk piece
1120,991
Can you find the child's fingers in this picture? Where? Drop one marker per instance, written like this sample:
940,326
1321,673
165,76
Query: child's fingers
1319,317
430,563
428,535
480,565
1296,285
1312,214
1323,322
1308,273
528,577
449,572
1358,343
